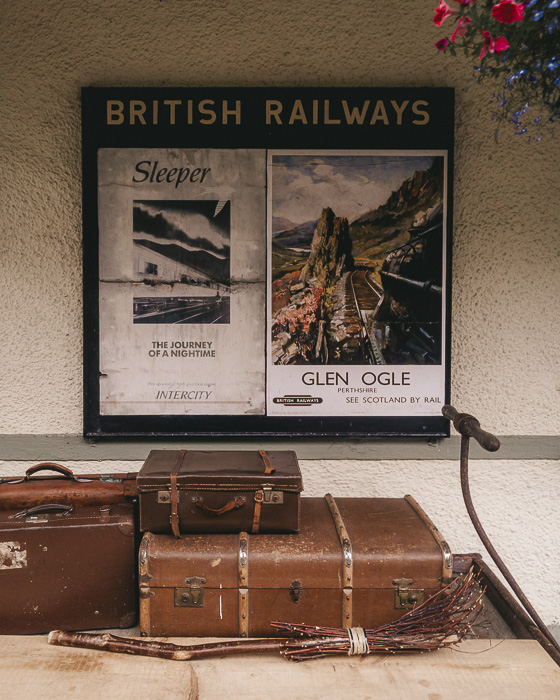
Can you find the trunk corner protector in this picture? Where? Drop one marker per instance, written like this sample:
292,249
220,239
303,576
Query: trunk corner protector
436,534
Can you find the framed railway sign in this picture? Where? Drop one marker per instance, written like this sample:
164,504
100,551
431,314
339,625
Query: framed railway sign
267,261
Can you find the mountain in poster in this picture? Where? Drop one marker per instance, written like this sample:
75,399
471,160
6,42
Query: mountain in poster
286,234
381,229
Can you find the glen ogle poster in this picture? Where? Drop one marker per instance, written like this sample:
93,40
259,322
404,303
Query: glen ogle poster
267,262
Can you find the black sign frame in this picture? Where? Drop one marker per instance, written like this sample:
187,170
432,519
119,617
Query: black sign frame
427,124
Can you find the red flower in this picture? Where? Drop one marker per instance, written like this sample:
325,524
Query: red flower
487,40
508,11
460,29
442,12
500,45
441,45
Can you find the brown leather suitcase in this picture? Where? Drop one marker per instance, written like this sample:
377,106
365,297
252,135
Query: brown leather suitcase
184,491
36,488
356,562
67,568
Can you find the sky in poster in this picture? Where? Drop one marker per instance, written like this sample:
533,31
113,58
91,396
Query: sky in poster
304,184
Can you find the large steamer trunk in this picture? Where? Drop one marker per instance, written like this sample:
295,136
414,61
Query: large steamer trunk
356,562
67,568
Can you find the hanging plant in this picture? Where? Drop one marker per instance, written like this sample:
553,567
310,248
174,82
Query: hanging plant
517,45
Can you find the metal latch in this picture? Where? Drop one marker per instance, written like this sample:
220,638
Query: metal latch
405,597
193,596
296,590
163,496
272,497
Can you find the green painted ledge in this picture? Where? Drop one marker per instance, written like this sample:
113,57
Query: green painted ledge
37,448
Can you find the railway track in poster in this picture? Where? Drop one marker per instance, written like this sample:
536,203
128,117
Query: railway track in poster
366,296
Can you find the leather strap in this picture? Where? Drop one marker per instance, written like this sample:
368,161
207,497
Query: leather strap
347,562
259,496
230,505
174,493
268,468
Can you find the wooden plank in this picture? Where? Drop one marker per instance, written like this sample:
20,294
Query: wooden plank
31,668
513,669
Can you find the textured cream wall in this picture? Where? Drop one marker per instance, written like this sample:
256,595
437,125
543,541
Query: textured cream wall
506,243
505,359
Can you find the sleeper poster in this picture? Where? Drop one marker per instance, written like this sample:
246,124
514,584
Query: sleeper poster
181,281
267,262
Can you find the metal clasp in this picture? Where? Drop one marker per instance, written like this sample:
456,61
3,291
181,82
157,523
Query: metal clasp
272,497
193,596
296,590
405,597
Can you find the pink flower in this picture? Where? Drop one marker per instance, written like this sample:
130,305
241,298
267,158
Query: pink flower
442,12
500,45
441,45
508,11
465,3
487,40
460,29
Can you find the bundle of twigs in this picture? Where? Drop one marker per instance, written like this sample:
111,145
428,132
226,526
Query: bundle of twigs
443,619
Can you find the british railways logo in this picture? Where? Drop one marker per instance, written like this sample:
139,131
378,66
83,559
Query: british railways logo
297,400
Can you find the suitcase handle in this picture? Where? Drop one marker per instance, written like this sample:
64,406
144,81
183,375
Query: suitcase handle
43,508
268,468
52,466
230,505
469,427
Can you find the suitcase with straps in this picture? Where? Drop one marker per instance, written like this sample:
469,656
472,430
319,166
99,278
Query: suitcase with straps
187,491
